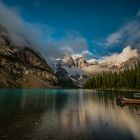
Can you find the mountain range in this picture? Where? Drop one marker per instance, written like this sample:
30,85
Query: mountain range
80,70
24,66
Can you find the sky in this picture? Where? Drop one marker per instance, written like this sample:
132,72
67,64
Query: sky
92,28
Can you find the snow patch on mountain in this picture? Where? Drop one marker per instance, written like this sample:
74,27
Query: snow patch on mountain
79,69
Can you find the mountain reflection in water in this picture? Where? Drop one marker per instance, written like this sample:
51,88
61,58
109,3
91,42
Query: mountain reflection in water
66,114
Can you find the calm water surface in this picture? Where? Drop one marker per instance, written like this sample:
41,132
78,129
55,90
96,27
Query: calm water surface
39,114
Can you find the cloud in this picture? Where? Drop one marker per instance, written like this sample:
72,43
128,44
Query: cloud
113,38
138,13
117,58
128,33
40,35
85,54
17,26
74,71
92,61
114,59
68,45
74,41
93,69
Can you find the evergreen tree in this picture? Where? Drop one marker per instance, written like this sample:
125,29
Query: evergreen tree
129,78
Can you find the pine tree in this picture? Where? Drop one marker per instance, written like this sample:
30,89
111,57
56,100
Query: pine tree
129,78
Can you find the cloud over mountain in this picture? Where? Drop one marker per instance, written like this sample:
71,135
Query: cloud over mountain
70,42
127,34
119,58
21,30
18,27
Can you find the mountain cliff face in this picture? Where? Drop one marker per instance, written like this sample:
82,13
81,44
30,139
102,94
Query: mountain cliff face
19,63
73,67
70,62
63,79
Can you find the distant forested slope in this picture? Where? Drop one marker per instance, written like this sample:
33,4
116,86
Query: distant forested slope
127,79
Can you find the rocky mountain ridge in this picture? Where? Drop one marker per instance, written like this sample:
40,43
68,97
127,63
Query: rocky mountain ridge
16,62
23,66
79,69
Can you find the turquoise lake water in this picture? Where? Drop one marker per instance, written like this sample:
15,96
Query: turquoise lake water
42,114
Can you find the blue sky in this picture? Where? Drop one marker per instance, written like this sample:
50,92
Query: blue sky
92,21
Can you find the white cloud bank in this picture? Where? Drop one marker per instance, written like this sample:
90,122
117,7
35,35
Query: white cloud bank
21,30
85,54
72,43
117,58
18,28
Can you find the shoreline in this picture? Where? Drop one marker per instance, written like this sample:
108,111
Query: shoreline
130,90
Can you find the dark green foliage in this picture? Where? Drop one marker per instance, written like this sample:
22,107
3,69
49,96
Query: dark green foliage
127,79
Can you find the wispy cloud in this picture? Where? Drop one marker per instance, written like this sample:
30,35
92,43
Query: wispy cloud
40,35
67,45
138,14
85,54
13,21
128,33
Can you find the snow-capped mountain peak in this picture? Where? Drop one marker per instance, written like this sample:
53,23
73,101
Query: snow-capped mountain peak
117,59
79,68
67,61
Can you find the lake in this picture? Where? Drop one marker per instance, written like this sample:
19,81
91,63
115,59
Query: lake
42,114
